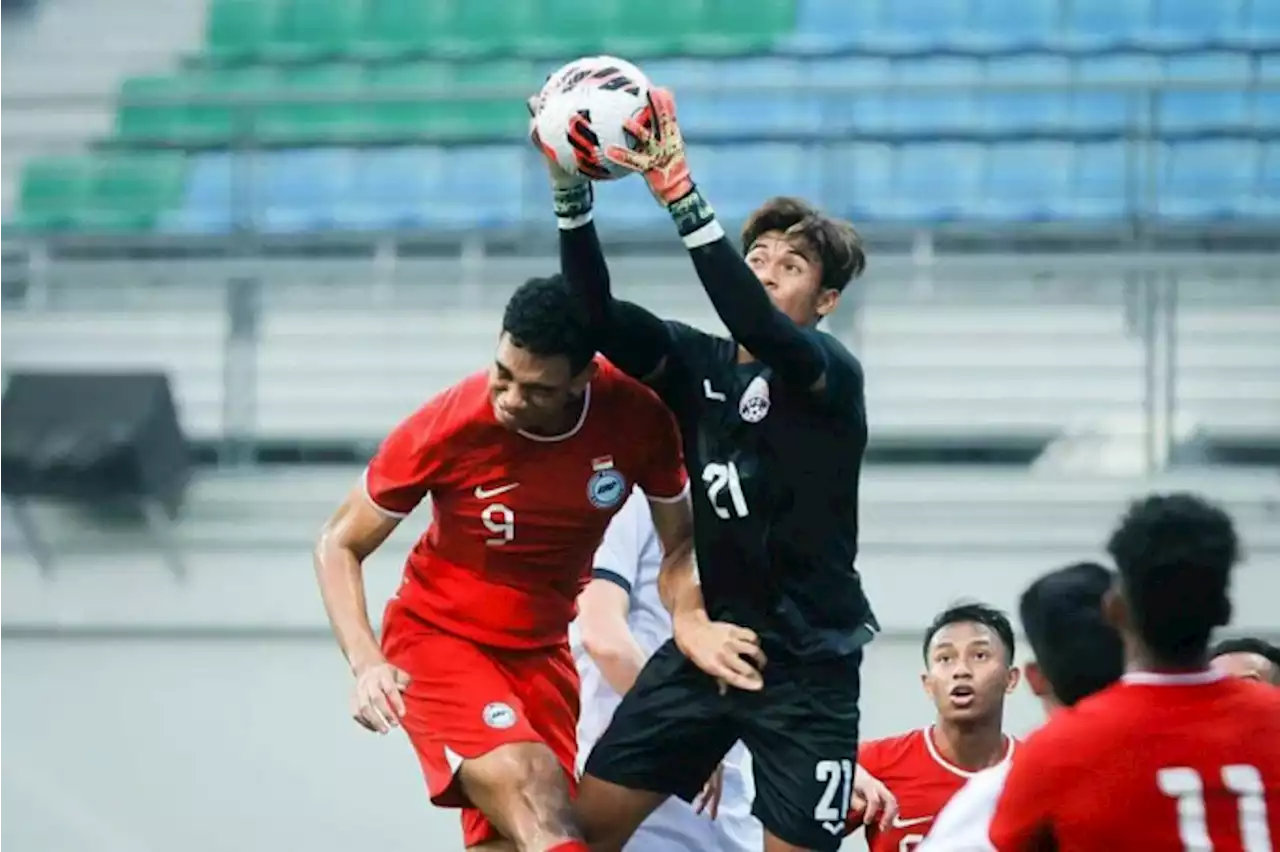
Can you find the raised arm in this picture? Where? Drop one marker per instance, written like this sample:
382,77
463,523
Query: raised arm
793,352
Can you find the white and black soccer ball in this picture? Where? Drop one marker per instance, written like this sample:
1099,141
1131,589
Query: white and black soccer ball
583,109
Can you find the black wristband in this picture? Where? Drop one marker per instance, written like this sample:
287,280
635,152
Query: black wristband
691,212
572,202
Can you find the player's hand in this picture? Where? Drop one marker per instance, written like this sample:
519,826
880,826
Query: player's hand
376,702
560,179
872,799
709,799
725,651
659,155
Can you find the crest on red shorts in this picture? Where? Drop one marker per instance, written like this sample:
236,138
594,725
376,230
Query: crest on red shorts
499,715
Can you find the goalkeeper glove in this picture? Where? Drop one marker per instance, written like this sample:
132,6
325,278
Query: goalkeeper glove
571,194
659,155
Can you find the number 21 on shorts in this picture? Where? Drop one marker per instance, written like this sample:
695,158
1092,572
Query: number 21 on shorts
833,806
1187,786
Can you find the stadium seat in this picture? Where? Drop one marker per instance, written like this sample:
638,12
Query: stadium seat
1033,110
393,188
237,30
1263,26
162,121
391,119
738,178
1096,24
1206,110
487,116
860,180
1266,103
655,28
940,111
1264,202
774,100
566,28
53,191
482,27
394,29
1099,106
1026,181
1025,24
131,192
936,182
217,195
308,122
732,27
1104,184
1182,24
307,30
922,24
824,25
1206,179
867,110
215,123
301,190
479,188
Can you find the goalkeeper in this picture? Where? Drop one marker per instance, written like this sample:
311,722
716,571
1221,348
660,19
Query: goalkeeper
774,429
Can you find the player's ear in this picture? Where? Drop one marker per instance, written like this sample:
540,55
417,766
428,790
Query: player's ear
1115,610
924,682
584,377
828,299
1015,675
1036,681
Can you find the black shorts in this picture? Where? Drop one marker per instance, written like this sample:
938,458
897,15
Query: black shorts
673,727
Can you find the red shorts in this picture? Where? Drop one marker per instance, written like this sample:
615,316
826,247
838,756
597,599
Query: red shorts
464,700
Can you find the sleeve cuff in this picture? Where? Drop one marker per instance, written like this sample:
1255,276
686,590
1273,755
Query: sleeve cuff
684,492
614,577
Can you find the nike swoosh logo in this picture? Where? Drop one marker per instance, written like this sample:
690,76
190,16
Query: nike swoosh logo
899,822
482,494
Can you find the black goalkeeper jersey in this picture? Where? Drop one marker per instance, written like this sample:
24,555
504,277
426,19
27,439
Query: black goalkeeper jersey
774,472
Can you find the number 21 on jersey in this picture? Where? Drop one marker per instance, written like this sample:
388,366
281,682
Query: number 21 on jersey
1187,786
724,490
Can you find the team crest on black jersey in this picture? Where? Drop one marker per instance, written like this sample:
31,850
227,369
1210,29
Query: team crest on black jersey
606,488
754,405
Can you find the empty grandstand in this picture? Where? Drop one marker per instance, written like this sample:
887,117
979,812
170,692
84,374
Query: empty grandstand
298,219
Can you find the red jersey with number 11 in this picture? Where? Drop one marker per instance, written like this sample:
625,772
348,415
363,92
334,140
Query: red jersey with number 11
518,516
1156,762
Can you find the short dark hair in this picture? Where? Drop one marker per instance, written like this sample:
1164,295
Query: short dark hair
1175,553
1249,645
972,612
835,243
1075,647
543,317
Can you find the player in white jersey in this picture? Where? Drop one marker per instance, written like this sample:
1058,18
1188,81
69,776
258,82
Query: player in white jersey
621,622
1077,653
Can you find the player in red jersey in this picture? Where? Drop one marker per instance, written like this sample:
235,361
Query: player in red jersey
1076,652
1176,756
525,463
968,654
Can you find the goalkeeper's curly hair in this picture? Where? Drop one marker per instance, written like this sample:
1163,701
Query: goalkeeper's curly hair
833,243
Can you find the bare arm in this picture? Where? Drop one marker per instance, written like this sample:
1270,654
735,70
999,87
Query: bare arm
356,530
606,636
678,585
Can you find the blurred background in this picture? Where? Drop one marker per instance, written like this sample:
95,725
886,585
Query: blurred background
242,238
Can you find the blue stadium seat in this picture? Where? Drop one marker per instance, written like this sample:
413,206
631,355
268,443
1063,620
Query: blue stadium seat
1027,111
777,101
1266,104
301,190
693,81
823,25
1265,201
923,24
1026,181
1103,183
937,182
941,111
207,205
860,180
738,177
1182,24
1107,23
478,188
627,203
1197,110
1206,179
1111,111
1027,23
864,111
391,187
1263,25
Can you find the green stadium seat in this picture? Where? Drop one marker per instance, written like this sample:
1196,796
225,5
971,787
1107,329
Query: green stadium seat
53,190
741,26
419,116
392,29
307,30
130,191
237,30
570,28
485,27
161,122
220,124
499,114
320,120
654,27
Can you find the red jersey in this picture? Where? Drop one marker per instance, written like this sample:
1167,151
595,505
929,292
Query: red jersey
518,516
1153,763
920,778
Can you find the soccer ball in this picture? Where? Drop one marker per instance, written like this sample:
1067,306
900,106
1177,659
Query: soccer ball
584,106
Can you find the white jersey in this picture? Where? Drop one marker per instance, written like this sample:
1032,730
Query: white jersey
630,556
964,823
